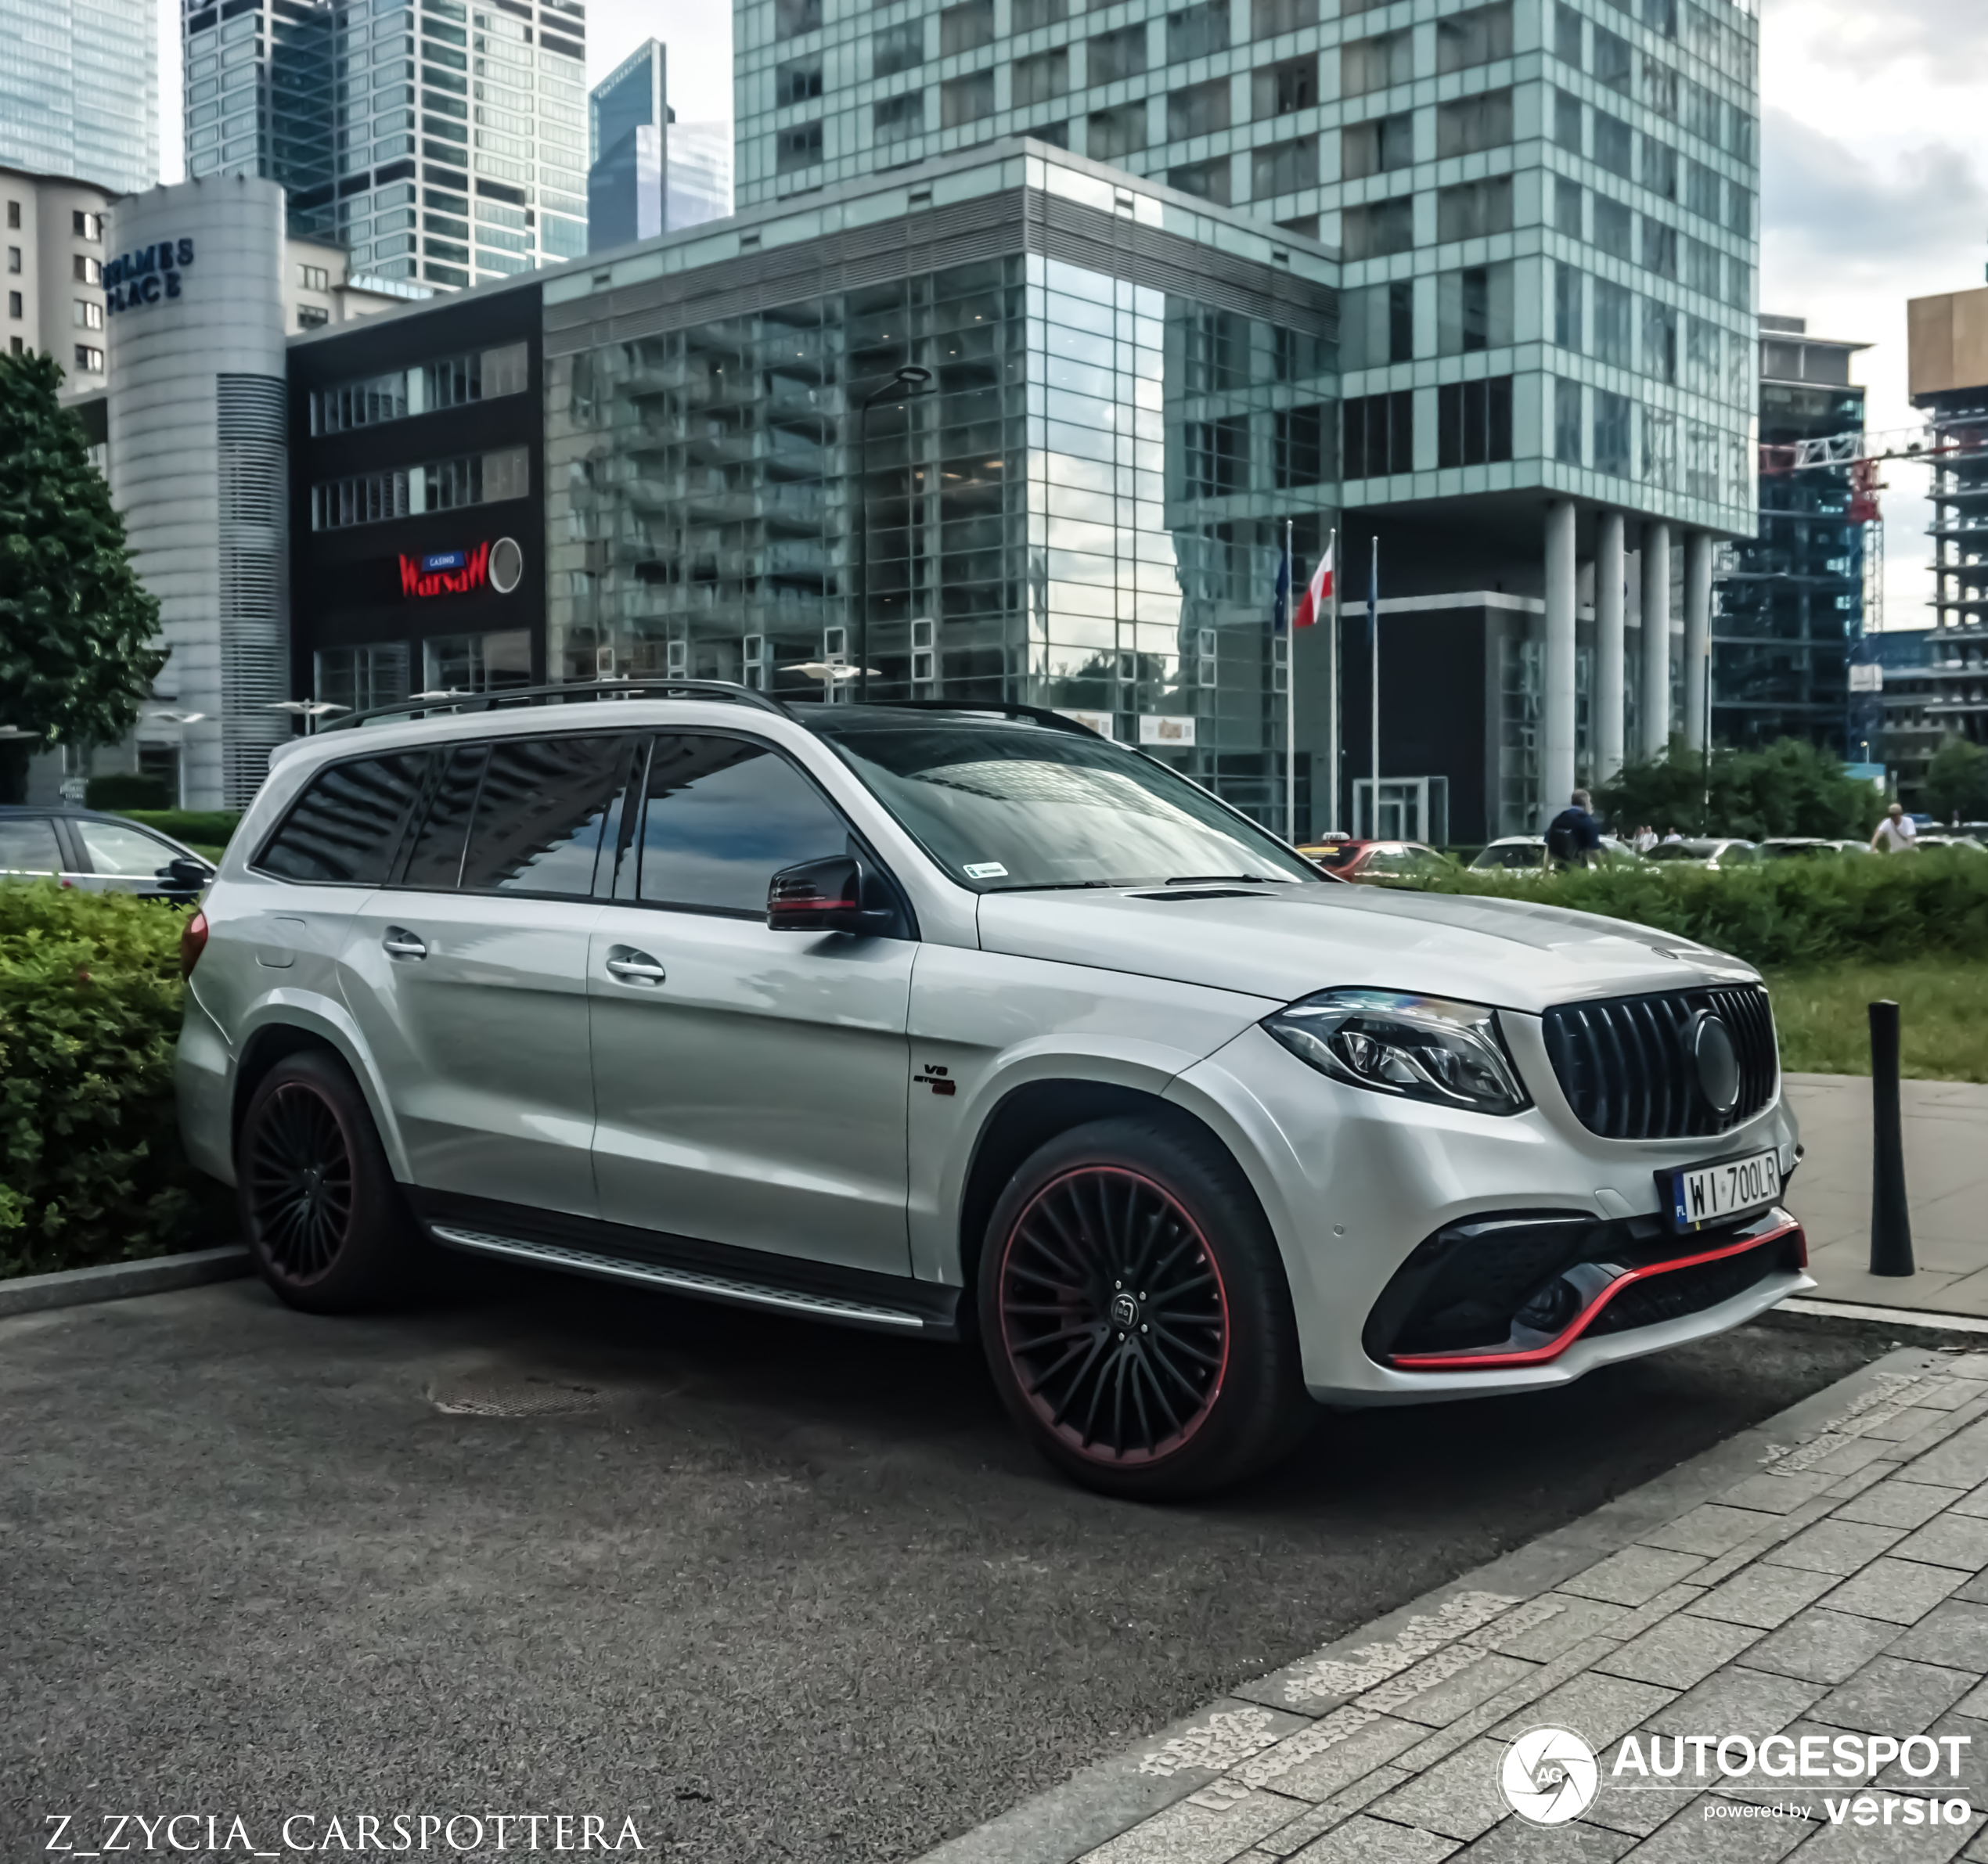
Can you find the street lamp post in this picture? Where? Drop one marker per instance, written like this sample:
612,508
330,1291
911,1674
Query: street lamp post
908,380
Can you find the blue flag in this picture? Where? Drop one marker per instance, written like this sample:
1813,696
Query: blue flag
1281,608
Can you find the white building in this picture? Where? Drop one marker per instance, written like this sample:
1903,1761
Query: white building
55,252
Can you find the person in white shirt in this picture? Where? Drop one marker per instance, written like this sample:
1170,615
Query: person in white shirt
1896,834
1672,837
1646,839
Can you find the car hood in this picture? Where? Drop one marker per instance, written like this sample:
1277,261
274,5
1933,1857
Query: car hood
1280,943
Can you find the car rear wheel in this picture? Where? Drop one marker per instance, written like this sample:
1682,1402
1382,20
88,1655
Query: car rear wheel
1136,1315
323,1216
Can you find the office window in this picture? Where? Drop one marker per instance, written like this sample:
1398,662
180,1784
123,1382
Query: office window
1468,125
895,118
1283,168
1376,64
1118,55
897,48
13,213
1567,25
964,100
1614,306
1659,168
83,268
1031,15
1377,146
1701,462
1567,206
1701,356
1566,421
14,346
1659,340
791,18
1567,121
799,148
312,317
1473,309
1739,210
1660,17
966,27
1659,87
1199,110
1659,248
1269,18
1038,79
1473,422
89,361
1476,37
799,80
13,303
1659,447
1614,228
1379,228
86,226
1217,456
1613,142
88,314
1197,32
1613,65
1377,325
1299,446
1207,181
1701,191
314,278
1567,320
1116,132
1277,90
1377,435
1611,416
1474,210
13,258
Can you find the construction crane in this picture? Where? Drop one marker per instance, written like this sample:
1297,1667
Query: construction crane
1937,439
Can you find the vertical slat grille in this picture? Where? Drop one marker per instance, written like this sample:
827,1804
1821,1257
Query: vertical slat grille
1624,1068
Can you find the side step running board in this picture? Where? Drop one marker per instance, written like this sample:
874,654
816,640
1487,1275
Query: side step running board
688,1281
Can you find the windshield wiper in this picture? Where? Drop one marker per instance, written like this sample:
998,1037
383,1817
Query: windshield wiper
1226,880
1055,885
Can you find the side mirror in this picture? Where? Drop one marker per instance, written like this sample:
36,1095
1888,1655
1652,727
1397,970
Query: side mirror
183,871
834,895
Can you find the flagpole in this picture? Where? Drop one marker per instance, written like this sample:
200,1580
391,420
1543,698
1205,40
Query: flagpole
1332,693
1290,695
1373,667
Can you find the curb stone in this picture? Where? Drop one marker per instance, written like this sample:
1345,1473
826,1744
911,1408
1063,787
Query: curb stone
1205,1760
114,1281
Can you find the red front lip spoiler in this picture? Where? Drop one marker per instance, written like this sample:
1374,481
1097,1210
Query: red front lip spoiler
1493,1360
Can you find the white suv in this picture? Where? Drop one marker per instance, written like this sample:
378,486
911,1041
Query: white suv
944,1021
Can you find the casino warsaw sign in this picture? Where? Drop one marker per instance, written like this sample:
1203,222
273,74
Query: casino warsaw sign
499,566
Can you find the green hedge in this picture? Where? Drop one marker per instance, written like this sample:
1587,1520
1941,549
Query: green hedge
201,828
1782,913
90,1165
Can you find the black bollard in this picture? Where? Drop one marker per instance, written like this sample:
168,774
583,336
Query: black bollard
1891,1220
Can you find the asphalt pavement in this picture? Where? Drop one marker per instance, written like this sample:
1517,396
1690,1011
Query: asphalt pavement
771,1590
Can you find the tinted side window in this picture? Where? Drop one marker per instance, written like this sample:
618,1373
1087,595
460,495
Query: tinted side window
722,817
27,846
345,826
538,818
436,865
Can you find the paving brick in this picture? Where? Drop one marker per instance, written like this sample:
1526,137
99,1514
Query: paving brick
1458,1797
1836,1546
1879,1844
1516,1842
1961,1462
1365,1840
1765,1595
1738,1700
1680,1652
1775,1494
1326,1759
1901,1590
1975,1501
1437,1703
1321,1818
1890,1696
1602,1708
1908,1423
1858,1454
1825,1646
1968,1781
1550,1624
1895,1502
1954,1635
1711,1530
1188,1833
1724,1835
1633,1575
1950,1540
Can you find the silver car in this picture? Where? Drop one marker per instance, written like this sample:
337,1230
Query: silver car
967,1022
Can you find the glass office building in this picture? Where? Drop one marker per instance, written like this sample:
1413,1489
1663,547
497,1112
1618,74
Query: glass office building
445,144
1081,504
79,91
650,173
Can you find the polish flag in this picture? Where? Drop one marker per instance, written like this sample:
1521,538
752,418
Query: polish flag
1311,606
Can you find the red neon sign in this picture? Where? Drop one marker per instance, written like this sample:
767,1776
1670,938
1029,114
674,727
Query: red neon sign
446,572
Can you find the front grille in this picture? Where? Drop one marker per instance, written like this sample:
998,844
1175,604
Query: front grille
1627,1073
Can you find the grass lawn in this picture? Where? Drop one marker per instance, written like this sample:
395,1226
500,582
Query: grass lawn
1943,1012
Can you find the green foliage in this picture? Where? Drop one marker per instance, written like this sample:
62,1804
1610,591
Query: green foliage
90,1165
1956,782
1822,1017
1792,787
74,619
126,790
200,828
1779,912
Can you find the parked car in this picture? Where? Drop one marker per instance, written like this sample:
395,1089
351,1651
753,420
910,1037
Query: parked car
1716,852
1942,838
1523,854
98,853
948,1023
1808,847
1377,863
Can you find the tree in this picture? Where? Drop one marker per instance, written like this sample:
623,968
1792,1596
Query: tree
1791,787
75,621
1956,782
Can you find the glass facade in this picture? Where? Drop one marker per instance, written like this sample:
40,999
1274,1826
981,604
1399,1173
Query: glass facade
445,144
79,90
1081,507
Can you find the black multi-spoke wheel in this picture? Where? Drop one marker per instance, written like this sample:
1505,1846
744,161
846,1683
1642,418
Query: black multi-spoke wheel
323,1216
1113,1313
1135,1312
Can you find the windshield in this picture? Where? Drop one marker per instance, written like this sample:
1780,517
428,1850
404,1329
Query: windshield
1004,808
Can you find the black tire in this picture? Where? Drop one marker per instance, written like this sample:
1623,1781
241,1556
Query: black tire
326,1224
1135,1313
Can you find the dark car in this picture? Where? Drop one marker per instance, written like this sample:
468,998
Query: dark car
1377,863
98,853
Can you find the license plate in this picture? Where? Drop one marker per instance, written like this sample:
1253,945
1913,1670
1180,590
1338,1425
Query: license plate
1702,1194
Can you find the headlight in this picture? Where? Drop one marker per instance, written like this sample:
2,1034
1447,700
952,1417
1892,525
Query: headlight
1425,1048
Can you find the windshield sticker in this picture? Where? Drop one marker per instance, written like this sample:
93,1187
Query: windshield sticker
985,870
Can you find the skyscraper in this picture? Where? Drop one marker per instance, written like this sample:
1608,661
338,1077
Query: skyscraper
444,145
79,90
650,173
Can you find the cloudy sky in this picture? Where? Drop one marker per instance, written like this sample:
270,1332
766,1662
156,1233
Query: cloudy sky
1876,145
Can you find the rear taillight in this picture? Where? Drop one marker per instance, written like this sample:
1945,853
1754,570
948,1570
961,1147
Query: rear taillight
192,942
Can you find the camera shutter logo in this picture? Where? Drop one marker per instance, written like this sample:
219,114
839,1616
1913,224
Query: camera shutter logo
1549,1776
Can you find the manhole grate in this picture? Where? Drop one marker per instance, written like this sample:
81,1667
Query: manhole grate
513,1398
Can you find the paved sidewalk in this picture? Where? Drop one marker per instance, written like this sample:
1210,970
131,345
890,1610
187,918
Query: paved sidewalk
1827,1584
1945,1174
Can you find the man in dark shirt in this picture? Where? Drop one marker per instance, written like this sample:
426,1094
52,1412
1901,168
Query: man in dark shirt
1574,834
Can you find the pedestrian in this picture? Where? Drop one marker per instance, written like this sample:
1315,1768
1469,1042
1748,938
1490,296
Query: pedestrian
1671,836
1897,833
1574,833
1646,839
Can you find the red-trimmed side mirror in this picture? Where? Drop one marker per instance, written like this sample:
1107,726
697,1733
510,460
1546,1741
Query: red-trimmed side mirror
834,895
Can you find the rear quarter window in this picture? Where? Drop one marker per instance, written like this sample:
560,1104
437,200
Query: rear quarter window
345,827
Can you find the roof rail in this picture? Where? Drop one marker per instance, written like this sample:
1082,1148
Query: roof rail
500,698
1001,707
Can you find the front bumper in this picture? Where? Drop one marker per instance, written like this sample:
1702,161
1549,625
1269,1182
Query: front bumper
1355,1183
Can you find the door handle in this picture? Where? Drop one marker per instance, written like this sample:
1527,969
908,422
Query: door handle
400,943
632,966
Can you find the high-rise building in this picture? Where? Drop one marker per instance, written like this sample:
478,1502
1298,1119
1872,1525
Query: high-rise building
697,178
445,144
79,90
650,173
1791,605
